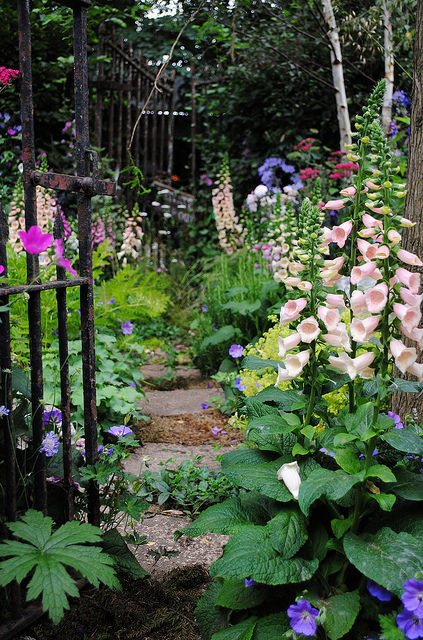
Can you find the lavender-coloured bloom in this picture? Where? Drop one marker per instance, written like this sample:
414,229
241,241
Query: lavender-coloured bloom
329,453
236,351
395,417
411,624
53,417
120,431
239,384
204,308
204,405
127,328
412,598
303,617
249,582
50,444
4,411
378,592
132,384
216,431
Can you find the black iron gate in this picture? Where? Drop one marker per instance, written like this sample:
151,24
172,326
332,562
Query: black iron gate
85,184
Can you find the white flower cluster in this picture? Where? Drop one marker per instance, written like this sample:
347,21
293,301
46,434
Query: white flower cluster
229,230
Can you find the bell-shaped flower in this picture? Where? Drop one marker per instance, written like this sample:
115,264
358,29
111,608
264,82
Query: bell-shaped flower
289,473
291,310
308,329
373,251
292,281
295,268
409,279
305,285
373,185
326,238
354,367
286,344
338,337
370,222
368,269
409,258
330,317
362,330
404,356
415,334
358,303
371,232
394,237
416,369
335,204
412,299
335,300
341,233
409,316
377,297
348,192
406,223
294,364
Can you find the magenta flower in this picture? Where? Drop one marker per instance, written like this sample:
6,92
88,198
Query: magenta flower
120,431
1,269
61,261
236,351
34,240
127,328
303,617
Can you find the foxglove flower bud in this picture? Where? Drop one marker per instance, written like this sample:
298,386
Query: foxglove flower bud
289,473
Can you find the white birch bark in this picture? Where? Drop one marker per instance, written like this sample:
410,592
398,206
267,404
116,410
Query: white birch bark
337,75
389,66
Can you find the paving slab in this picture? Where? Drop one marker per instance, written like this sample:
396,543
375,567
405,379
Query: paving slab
178,401
182,376
161,451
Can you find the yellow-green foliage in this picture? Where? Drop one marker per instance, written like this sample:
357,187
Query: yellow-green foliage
267,348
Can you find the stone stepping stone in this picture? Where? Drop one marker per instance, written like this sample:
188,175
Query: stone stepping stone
178,401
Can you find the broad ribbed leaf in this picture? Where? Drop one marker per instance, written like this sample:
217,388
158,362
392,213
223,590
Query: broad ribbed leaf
347,460
341,612
361,420
261,478
271,627
209,616
235,595
332,484
252,363
380,471
33,527
287,531
229,516
242,631
388,558
404,440
245,456
408,486
280,423
250,553
114,545
267,440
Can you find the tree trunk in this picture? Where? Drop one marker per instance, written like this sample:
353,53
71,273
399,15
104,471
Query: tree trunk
412,238
389,67
337,75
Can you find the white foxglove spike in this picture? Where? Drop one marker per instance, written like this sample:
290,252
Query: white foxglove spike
289,473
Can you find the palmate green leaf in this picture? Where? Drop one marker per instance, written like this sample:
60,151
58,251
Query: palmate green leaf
91,562
72,533
404,440
231,515
388,558
33,527
409,485
18,567
287,531
242,631
332,484
235,595
250,553
341,612
54,582
261,478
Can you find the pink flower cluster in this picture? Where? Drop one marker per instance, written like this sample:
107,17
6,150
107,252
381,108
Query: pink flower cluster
344,170
305,144
229,230
308,173
7,74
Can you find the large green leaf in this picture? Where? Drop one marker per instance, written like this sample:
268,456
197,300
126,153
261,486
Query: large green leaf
404,440
280,423
235,595
324,482
408,386
225,333
261,478
125,561
245,456
253,363
408,485
256,408
244,308
242,631
231,515
288,400
341,612
361,420
388,558
210,617
267,440
287,531
250,553
271,627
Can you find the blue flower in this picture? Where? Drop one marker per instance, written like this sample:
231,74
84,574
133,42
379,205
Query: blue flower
249,582
216,431
127,328
412,598
395,417
378,592
120,431
53,417
204,405
4,411
50,444
239,384
411,624
303,617
204,308
236,351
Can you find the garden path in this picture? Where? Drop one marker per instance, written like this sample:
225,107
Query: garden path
181,426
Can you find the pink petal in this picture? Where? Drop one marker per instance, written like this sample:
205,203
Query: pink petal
376,298
335,204
357,273
335,300
358,302
308,329
348,192
409,258
410,279
34,240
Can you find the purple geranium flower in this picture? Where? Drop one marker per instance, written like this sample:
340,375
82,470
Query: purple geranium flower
127,328
4,411
378,592
411,624
236,351
204,405
249,582
395,417
120,431
303,617
216,431
204,308
52,417
50,444
412,598
239,384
